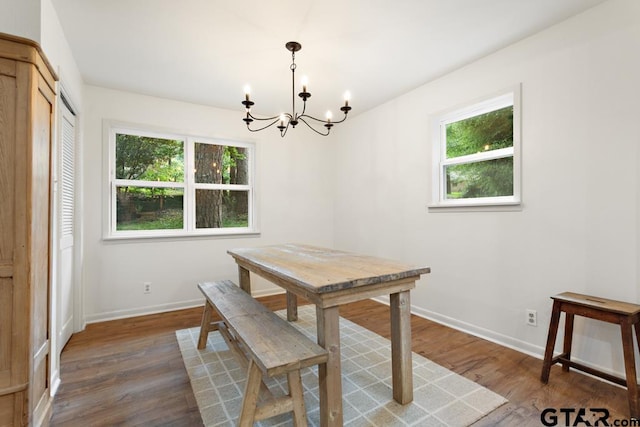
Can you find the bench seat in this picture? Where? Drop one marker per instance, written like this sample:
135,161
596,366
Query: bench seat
269,344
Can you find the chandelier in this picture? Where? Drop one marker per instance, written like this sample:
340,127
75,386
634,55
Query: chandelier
292,119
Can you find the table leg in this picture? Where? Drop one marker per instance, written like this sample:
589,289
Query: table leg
292,307
401,365
630,369
329,374
245,279
551,342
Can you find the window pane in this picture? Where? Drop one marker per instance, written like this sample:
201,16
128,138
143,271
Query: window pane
485,132
220,164
149,159
145,208
491,178
222,208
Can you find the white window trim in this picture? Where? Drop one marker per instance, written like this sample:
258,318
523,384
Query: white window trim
504,98
111,127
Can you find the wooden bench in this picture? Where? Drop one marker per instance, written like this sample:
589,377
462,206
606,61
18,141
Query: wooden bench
622,313
269,344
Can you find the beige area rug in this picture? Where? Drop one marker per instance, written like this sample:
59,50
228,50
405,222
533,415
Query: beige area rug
441,397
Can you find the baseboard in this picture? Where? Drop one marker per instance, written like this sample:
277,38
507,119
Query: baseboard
477,331
55,383
143,311
494,337
500,339
67,330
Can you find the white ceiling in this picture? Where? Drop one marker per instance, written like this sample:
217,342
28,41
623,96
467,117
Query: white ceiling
206,51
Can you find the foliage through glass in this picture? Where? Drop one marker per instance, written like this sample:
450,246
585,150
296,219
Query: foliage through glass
149,208
221,164
474,135
145,200
149,159
221,209
491,178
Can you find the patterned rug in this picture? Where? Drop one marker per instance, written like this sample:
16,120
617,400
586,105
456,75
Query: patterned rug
441,397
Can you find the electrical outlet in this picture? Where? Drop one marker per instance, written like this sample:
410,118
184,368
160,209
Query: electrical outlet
147,287
532,317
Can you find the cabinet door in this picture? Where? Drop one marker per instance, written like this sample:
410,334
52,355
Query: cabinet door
27,101
12,382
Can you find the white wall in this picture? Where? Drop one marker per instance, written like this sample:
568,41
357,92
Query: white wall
578,229
294,205
21,18
56,47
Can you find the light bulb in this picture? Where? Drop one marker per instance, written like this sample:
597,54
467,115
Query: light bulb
329,116
347,98
247,91
305,82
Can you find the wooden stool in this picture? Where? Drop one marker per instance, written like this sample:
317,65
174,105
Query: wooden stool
625,314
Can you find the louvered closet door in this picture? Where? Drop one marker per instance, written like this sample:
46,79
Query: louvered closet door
40,254
66,206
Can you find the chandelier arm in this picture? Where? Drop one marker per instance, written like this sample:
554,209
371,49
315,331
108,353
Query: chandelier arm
263,118
312,128
340,121
263,128
304,108
323,121
312,118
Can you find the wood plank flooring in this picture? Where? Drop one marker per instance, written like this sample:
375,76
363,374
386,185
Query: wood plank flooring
130,372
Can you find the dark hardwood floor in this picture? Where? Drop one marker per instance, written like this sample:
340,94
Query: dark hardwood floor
130,372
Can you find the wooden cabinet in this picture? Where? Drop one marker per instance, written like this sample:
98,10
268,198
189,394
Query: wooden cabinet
27,101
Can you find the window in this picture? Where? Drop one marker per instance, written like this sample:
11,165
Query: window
476,154
163,184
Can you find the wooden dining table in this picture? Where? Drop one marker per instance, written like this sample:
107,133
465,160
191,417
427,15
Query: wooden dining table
329,278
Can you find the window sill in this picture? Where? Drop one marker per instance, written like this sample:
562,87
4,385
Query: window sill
476,207
181,236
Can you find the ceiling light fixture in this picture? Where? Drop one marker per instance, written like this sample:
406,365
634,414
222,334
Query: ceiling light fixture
292,119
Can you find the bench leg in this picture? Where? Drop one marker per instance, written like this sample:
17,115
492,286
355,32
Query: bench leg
251,392
630,368
295,391
568,339
204,326
551,342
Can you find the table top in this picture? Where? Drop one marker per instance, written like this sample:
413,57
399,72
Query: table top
322,270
